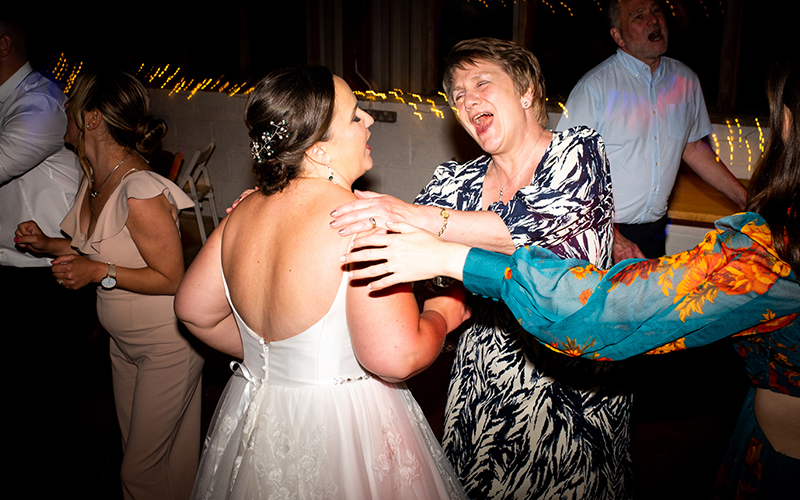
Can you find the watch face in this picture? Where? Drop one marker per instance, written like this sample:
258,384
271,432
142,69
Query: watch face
109,282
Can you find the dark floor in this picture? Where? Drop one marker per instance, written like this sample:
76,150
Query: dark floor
687,404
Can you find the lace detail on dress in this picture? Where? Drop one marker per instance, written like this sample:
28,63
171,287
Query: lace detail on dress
402,461
454,488
275,461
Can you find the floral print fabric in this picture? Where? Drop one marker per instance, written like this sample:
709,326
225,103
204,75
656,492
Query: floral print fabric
732,284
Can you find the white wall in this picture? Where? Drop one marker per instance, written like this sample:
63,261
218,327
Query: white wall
405,153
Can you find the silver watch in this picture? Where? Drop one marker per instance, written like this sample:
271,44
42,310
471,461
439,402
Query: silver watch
110,281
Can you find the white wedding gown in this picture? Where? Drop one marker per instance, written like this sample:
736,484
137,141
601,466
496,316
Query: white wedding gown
301,419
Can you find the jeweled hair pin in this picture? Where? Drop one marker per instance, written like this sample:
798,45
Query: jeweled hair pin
262,147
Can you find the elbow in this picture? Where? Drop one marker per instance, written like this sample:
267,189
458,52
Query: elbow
397,368
173,283
181,306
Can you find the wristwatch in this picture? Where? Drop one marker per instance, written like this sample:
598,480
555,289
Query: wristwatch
110,281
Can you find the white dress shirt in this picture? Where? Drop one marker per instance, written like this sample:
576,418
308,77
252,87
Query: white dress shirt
38,175
645,120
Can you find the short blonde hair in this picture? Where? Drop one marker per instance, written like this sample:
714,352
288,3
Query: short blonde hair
517,61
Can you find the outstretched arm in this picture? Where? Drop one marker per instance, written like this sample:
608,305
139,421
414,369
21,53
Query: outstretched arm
727,284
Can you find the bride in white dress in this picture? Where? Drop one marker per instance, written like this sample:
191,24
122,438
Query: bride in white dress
317,408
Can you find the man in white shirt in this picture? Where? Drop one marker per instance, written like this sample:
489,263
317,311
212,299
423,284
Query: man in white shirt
651,113
42,322
38,176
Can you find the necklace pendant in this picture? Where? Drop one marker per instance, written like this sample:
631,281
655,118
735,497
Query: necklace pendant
500,198
94,194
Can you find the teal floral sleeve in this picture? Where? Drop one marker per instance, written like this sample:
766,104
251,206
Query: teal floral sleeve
732,283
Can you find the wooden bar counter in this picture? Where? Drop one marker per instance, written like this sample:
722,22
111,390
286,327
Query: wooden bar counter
696,201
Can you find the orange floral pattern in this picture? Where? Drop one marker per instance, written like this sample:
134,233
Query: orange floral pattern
733,281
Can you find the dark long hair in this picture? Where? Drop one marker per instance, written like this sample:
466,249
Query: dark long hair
774,187
303,98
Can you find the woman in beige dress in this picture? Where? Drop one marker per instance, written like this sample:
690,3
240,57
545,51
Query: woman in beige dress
124,238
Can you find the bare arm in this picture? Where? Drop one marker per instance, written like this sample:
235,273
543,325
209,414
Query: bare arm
29,237
483,229
200,301
700,157
153,231
391,338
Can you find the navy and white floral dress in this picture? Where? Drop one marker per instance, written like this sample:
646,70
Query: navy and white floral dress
522,421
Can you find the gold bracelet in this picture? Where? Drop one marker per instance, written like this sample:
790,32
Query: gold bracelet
444,214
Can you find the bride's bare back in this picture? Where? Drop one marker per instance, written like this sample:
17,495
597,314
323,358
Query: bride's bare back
281,259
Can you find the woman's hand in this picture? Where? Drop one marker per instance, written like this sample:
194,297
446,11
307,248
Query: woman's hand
30,237
240,198
406,254
358,216
75,271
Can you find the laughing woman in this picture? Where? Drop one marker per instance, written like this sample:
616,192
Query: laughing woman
741,281
520,422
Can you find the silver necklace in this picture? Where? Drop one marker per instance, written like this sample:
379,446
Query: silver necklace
94,193
497,173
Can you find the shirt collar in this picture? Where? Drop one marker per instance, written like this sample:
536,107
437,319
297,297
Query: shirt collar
9,85
638,68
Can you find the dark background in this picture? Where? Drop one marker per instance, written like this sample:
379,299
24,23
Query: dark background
242,40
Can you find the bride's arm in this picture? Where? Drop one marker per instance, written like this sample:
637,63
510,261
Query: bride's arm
391,338
200,301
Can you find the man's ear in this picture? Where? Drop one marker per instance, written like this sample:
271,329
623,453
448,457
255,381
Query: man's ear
6,45
616,34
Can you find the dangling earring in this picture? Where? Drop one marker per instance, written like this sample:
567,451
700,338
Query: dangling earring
332,176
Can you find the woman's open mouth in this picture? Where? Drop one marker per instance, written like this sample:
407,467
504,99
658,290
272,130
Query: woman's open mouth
482,122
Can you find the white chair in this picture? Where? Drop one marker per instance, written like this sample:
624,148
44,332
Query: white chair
195,181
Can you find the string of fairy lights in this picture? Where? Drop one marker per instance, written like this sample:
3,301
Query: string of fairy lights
65,70
564,5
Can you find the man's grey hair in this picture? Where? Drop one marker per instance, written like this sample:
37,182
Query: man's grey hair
614,11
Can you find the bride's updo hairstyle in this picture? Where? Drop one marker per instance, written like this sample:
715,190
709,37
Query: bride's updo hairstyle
125,106
288,112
